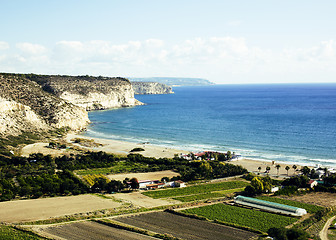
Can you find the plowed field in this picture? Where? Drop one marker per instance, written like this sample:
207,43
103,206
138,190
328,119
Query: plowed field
92,230
184,227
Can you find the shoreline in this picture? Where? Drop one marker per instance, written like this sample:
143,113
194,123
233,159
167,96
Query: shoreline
120,147
124,147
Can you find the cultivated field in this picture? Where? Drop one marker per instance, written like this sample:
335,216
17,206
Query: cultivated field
184,227
253,219
309,207
44,208
210,195
137,199
9,233
196,189
144,176
319,198
90,230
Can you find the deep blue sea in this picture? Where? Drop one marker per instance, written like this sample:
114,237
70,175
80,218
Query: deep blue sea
293,123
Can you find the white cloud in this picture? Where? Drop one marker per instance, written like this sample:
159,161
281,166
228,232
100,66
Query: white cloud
30,48
4,45
216,58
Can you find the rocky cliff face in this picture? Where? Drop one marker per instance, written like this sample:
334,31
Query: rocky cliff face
31,102
151,88
25,106
91,93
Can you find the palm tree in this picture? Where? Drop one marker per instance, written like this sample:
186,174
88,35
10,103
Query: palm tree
287,168
325,171
278,167
294,167
268,168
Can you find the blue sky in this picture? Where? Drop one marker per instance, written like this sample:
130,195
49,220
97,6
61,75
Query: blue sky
223,41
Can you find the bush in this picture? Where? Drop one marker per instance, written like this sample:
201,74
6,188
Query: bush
137,150
287,234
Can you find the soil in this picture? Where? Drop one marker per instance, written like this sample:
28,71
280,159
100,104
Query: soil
184,227
323,199
144,176
137,199
91,230
45,208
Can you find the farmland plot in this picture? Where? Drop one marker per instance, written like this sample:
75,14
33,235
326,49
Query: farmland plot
251,218
184,227
196,189
44,208
92,230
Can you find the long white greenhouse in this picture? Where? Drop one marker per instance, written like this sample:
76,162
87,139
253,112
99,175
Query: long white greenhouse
270,206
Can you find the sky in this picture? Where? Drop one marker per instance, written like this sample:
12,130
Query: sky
227,42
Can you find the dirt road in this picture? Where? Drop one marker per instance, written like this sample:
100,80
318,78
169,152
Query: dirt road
324,232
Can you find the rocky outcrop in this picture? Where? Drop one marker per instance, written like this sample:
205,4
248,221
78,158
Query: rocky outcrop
25,106
16,117
91,93
151,88
30,102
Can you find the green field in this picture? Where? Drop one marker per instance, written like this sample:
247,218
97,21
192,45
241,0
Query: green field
9,233
119,167
196,189
309,207
202,196
232,215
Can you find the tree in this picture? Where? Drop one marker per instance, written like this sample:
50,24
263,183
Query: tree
228,155
205,170
165,179
114,186
268,168
257,184
287,168
294,167
305,170
134,183
278,167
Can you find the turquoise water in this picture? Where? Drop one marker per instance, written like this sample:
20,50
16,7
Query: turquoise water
287,123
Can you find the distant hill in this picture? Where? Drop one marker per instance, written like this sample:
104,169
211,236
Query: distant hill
175,81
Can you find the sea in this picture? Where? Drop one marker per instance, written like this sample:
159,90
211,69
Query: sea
289,123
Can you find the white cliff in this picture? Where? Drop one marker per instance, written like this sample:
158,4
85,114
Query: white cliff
151,88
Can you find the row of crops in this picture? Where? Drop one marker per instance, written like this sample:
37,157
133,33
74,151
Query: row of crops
232,215
210,195
9,233
196,189
118,167
92,178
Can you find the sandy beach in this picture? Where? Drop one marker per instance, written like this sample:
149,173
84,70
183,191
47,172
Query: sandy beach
124,148
253,165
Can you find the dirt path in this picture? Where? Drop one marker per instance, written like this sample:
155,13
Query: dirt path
324,232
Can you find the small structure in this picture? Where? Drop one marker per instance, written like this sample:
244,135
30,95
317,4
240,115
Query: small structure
144,183
269,206
312,183
274,189
179,182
